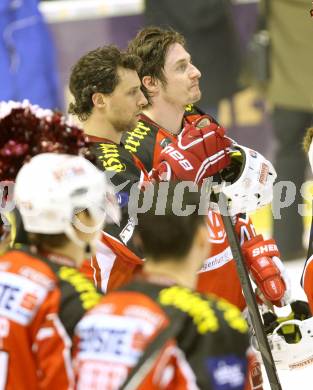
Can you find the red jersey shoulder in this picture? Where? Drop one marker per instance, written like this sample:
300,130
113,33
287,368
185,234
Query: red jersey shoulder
25,282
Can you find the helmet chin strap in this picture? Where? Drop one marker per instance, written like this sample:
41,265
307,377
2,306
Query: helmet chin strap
72,235
79,225
86,246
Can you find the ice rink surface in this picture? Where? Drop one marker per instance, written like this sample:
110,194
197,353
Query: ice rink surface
301,379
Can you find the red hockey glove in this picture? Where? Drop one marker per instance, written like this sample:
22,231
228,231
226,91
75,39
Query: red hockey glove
201,151
262,258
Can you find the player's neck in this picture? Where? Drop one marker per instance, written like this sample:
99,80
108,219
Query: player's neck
98,126
183,273
70,250
166,115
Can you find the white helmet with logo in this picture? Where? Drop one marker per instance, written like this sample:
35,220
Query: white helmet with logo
52,188
247,182
295,355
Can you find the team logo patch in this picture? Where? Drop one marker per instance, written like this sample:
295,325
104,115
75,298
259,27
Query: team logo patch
226,372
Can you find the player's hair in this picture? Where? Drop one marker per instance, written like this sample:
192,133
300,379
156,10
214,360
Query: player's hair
42,241
97,71
170,234
151,45
307,139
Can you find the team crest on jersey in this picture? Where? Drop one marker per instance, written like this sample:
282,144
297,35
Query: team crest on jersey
216,228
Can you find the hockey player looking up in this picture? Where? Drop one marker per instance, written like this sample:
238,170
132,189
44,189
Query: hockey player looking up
108,100
171,84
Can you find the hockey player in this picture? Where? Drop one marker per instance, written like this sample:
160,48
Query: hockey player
108,100
171,84
157,327
61,201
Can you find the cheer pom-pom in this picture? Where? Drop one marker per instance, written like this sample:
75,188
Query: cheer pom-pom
27,130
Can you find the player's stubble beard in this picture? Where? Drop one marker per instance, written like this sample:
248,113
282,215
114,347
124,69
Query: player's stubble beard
124,126
191,97
196,96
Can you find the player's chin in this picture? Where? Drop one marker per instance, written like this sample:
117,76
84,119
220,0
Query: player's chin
131,125
195,96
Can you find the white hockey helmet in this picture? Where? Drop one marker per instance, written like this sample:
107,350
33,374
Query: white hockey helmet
52,188
296,355
247,182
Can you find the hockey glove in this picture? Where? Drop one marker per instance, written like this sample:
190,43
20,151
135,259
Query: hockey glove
268,272
201,151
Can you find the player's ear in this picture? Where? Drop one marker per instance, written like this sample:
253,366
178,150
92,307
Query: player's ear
98,100
151,84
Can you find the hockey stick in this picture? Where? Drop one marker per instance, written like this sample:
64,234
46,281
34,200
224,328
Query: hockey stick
310,250
248,292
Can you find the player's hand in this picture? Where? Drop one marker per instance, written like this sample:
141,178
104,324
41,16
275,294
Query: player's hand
266,269
201,151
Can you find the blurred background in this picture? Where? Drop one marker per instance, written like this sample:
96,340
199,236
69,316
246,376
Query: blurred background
41,40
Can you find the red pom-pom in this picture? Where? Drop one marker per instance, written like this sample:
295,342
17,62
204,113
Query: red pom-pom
27,130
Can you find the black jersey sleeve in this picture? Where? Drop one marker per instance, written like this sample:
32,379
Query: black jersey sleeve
123,172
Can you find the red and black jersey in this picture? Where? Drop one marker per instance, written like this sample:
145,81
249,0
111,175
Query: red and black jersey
41,301
208,351
148,139
124,170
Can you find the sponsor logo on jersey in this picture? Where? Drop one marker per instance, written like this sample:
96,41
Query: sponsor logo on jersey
135,137
217,261
113,338
227,372
19,297
110,158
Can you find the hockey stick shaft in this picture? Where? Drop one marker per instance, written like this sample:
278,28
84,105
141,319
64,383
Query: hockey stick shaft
310,250
264,347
